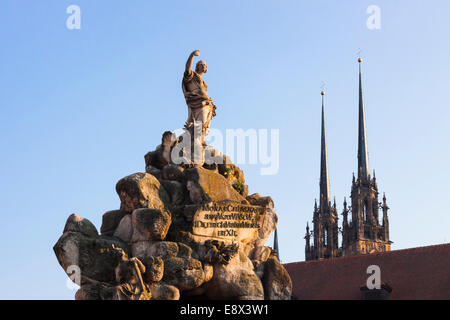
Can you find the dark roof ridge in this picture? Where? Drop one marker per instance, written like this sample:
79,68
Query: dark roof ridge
416,249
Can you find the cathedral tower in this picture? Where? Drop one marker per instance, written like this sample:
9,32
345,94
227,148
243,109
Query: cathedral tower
364,233
325,232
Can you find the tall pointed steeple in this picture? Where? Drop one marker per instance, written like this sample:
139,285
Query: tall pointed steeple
363,159
325,219
275,244
364,234
324,179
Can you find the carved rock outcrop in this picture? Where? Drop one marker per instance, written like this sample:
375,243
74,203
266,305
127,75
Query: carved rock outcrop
181,232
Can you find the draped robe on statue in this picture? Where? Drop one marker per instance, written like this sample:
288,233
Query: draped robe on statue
200,106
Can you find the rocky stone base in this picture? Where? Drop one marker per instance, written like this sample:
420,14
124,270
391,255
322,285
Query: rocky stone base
181,232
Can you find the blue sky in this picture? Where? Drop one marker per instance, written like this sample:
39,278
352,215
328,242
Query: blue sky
80,108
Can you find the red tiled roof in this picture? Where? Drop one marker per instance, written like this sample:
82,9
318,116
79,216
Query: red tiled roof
417,273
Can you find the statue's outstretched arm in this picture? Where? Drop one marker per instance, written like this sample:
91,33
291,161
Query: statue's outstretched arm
190,60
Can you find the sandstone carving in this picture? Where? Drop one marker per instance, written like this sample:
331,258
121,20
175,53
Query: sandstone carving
200,106
110,221
182,230
276,281
141,190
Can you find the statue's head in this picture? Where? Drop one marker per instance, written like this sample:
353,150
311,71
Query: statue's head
168,138
200,67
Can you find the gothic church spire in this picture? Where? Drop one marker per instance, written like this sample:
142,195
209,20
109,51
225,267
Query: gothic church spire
363,159
324,178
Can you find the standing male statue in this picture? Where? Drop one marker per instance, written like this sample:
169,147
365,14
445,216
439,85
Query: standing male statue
201,108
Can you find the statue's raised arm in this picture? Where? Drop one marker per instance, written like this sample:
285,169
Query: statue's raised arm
191,59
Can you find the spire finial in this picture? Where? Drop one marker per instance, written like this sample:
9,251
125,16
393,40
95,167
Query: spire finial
359,55
344,210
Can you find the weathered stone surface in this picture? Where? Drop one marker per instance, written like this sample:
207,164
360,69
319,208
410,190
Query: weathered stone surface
178,267
153,224
163,249
177,191
260,254
140,249
269,220
95,290
88,292
141,190
154,269
155,158
184,251
189,232
190,210
130,277
209,271
217,252
172,172
153,171
276,281
232,173
205,186
124,230
127,270
195,192
95,256
212,158
268,225
213,167
128,291
110,221
185,274
259,269
256,200
76,223
161,291
187,238
244,190
137,235
162,154
236,281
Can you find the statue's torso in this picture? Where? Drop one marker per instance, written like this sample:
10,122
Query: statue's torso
196,83
194,89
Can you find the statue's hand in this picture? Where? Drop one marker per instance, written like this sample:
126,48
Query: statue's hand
196,53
